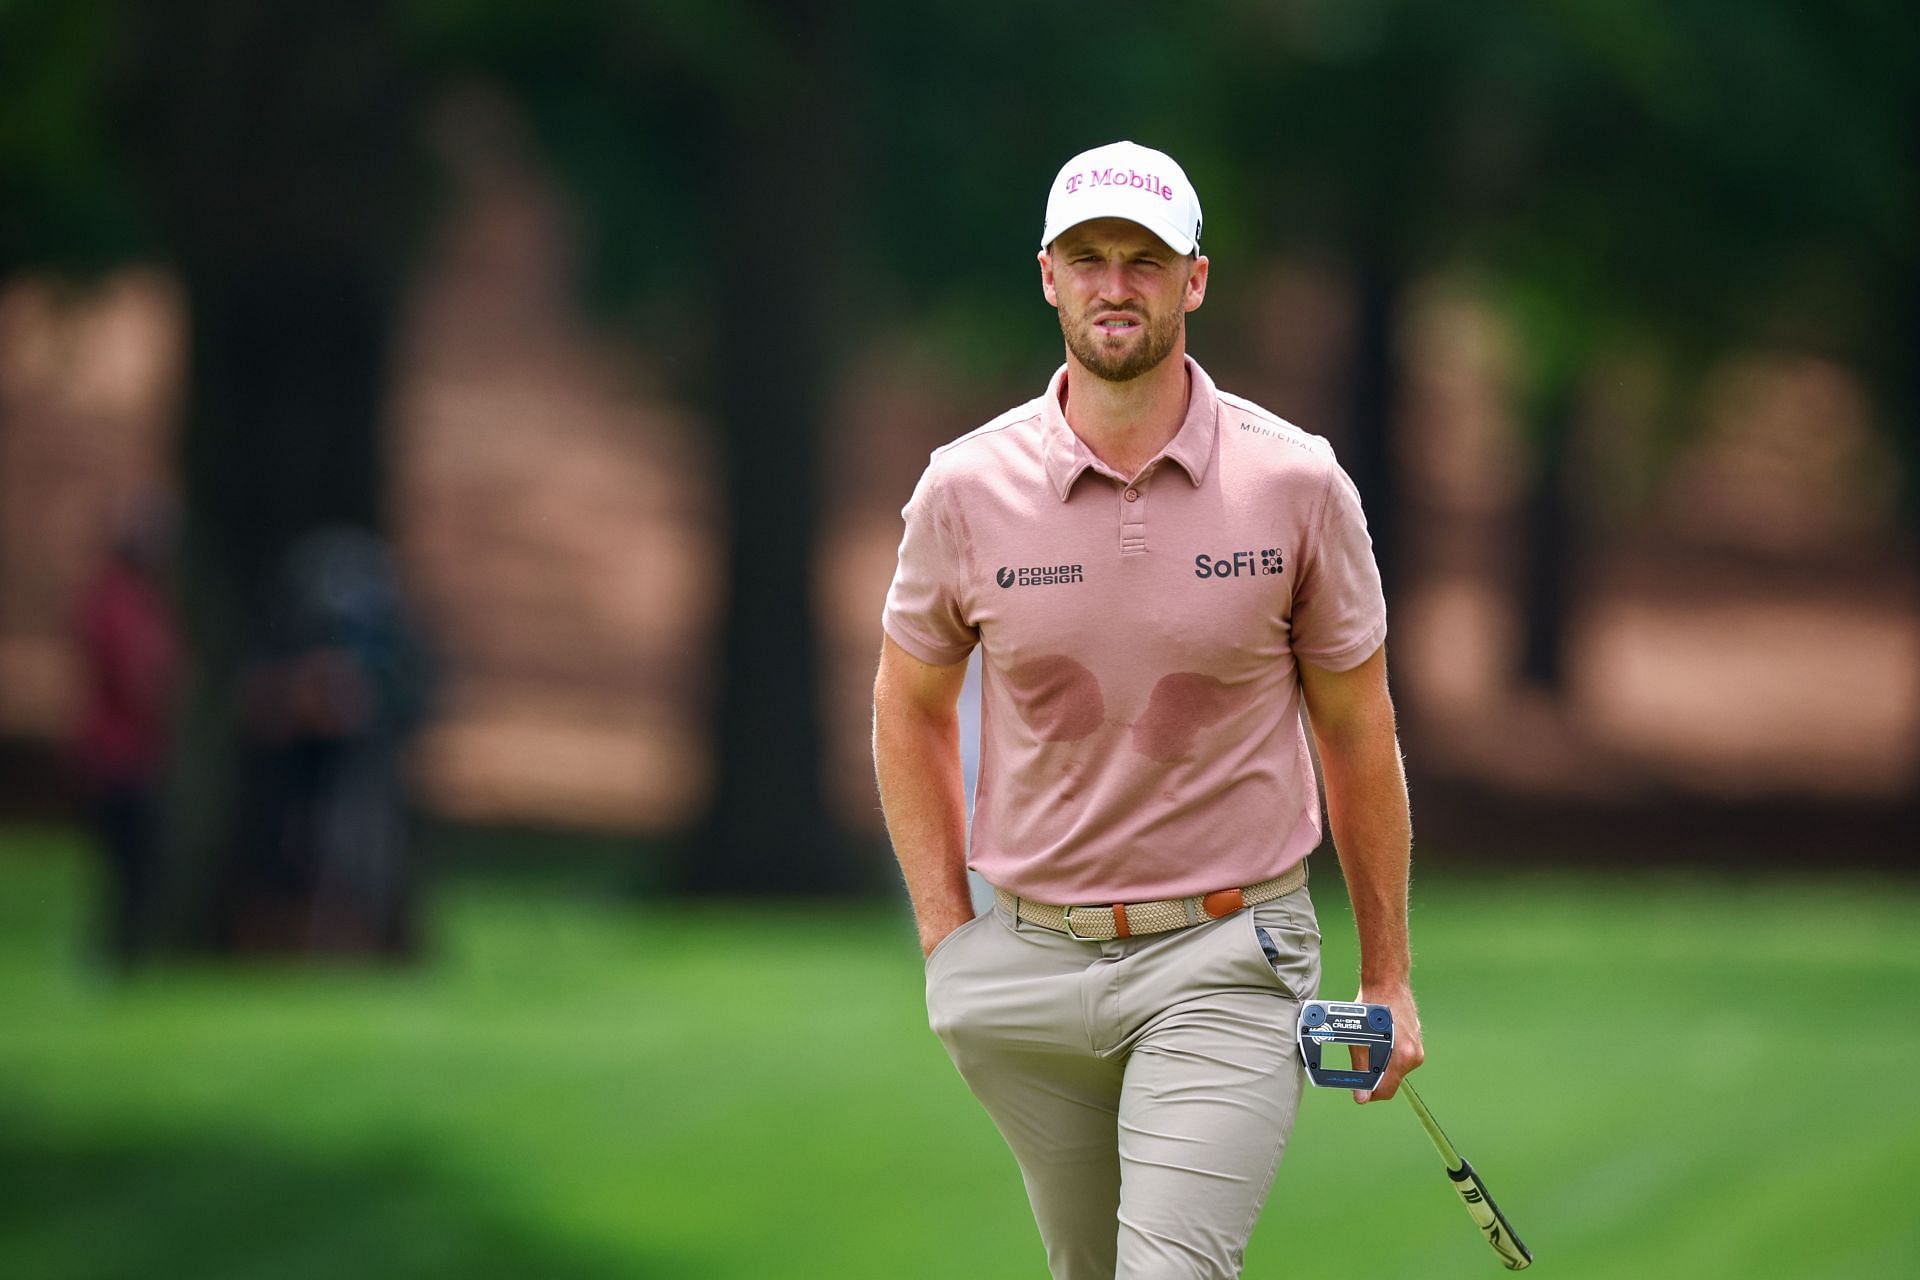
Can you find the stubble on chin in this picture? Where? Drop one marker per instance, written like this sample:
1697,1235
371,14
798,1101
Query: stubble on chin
1161,333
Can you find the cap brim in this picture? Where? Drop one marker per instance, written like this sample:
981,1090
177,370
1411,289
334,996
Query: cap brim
1165,232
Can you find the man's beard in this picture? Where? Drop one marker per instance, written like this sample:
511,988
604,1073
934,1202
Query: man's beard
1123,365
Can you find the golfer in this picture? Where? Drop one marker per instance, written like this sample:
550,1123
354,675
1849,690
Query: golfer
1160,576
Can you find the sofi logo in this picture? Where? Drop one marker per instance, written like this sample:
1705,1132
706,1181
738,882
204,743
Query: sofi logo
1120,178
1269,561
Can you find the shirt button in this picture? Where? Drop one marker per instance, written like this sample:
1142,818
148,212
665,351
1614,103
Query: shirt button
1133,495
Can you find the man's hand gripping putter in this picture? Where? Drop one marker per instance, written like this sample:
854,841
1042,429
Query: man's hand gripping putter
1370,1027
1363,1026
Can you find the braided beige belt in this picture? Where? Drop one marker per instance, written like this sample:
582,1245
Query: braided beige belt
1125,919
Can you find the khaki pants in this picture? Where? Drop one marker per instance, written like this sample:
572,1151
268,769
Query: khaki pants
1146,1085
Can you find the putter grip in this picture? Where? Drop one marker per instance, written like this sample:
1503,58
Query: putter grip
1487,1216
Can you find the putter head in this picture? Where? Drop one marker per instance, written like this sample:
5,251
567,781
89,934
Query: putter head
1327,1022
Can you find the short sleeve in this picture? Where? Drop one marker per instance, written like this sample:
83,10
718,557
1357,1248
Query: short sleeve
1339,613
924,613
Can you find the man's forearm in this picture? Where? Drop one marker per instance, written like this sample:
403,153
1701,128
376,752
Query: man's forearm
916,760
1367,808
1352,717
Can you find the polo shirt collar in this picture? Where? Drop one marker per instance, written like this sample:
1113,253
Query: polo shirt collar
1068,458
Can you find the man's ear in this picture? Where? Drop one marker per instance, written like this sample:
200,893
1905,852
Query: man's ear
1196,284
1046,279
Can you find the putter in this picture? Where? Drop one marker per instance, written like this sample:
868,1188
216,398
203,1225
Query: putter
1370,1027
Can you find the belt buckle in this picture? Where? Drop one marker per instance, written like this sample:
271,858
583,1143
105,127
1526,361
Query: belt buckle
1066,916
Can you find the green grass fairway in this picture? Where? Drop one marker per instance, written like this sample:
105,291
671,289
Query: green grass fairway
1658,1076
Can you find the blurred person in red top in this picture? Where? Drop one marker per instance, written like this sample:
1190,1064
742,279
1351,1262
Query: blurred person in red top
130,662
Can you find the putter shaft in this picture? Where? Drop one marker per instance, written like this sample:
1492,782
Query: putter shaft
1432,1126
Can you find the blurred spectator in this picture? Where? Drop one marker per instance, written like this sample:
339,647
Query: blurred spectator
324,864
130,659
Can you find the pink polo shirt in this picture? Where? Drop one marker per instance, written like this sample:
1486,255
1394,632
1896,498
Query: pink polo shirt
1140,706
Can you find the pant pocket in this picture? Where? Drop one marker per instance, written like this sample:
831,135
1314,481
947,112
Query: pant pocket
948,999
941,947
1286,936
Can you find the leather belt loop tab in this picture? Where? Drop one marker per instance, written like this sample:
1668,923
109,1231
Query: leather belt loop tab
1120,929
1223,902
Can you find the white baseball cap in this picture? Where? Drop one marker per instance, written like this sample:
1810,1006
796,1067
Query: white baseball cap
1125,180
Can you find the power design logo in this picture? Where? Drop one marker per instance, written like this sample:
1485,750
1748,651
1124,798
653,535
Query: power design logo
1039,575
1240,562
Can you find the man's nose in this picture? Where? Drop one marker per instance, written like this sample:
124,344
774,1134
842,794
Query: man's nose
1115,286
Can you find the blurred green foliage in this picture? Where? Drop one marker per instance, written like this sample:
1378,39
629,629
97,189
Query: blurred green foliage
65,195
1680,176
1649,1071
1673,176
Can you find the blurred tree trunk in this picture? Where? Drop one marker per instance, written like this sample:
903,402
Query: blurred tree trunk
776,343
1371,455
1906,434
1905,384
275,142
1549,550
